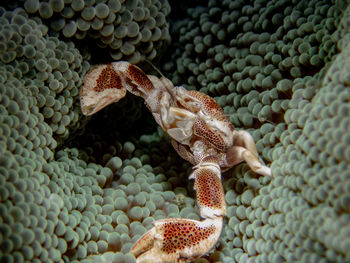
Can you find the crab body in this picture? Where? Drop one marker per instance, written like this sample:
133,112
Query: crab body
200,133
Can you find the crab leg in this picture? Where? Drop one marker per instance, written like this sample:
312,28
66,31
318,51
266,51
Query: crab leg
238,154
245,150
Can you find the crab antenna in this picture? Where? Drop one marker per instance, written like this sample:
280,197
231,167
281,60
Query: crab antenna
154,67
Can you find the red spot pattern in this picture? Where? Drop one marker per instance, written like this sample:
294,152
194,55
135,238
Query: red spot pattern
211,159
185,234
212,108
139,77
209,189
201,129
108,79
209,104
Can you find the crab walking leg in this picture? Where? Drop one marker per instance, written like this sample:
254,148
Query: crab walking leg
244,139
237,154
177,240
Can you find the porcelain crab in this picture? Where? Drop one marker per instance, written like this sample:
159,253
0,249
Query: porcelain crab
200,133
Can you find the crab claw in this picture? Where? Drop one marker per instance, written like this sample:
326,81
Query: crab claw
183,240
106,84
177,240
102,86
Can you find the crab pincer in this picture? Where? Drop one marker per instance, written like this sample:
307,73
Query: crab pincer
181,239
177,240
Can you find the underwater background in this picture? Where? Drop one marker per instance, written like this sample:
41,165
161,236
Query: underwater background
79,189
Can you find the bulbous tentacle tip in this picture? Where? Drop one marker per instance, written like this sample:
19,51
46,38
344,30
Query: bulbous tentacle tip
177,240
